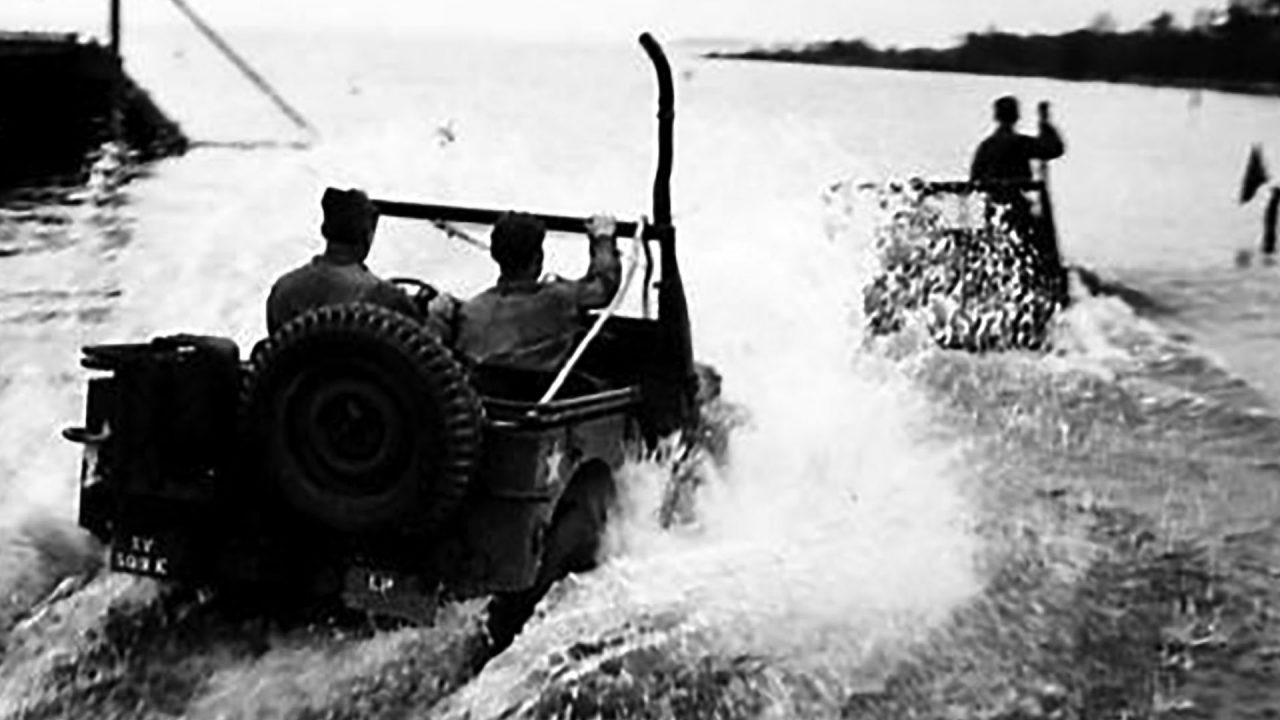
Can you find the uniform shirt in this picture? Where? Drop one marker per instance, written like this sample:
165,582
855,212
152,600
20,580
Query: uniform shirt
324,281
1007,154
533,324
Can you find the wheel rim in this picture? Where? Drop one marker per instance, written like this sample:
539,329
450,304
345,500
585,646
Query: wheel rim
347,427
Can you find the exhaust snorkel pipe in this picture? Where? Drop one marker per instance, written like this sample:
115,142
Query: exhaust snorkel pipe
673,308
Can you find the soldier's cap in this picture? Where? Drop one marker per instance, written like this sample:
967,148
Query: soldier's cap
1006,109
516,239
345,210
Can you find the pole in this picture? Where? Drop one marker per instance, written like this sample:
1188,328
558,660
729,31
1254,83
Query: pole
114,28
243,66
1050,226
1269,217
489,216
115,119
1049,245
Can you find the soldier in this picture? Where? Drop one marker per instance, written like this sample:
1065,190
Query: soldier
1006,154
527,322
339,274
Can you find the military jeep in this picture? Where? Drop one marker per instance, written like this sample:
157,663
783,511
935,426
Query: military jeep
978,261
353,456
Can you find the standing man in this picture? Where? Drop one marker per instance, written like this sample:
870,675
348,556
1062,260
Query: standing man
1006,154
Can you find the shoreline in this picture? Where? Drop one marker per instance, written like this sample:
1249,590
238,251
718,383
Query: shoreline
1237,87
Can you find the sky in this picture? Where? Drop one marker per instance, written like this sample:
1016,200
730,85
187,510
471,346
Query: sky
886,22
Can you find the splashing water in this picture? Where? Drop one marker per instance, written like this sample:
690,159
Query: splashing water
835,537
838,540
836,546
956,265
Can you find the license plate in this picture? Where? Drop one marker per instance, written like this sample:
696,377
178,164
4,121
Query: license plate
392,593
142,555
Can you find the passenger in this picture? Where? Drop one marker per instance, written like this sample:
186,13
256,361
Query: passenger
338,275
532,324
1006,154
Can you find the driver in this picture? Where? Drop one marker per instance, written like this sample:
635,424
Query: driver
338,275
528,323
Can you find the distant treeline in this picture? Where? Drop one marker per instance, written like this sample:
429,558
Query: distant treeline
1234,48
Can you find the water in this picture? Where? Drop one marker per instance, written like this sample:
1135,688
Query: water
900,530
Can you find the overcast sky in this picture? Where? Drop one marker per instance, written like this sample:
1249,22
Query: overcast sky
883,21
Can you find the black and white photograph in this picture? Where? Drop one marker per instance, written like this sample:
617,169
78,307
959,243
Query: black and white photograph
639,360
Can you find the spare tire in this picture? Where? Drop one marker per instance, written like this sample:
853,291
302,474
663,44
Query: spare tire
361,421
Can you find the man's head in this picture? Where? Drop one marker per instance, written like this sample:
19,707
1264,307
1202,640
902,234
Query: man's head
1006,110
350,219
516,245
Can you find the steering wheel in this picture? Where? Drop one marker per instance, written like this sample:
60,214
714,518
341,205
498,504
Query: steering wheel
420,293
414,287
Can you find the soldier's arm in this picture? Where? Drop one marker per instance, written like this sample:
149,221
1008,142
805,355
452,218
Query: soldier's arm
978,168
1048,144
279,308
391,297
274,311
443,313
597,287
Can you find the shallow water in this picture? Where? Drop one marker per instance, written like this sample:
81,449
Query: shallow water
900,529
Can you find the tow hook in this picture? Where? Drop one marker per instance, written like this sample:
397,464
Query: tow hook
85,437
